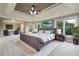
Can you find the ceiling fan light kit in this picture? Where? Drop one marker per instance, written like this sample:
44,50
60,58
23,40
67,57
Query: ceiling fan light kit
33,11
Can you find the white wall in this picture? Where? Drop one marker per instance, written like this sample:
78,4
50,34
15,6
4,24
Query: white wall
77,20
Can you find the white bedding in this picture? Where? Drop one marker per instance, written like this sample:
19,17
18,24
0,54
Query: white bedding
43,36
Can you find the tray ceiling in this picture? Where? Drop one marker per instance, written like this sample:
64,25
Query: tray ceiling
26,7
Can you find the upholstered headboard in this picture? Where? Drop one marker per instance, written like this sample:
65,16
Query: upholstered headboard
48,29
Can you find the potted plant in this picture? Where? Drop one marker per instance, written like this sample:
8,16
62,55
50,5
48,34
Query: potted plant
75,33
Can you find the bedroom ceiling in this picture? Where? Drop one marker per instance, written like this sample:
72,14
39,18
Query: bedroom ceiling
26,7
54,11
7,20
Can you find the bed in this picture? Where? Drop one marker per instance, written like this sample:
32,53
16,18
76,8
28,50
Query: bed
38,40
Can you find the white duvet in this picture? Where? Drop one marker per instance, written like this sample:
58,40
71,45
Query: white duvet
43,36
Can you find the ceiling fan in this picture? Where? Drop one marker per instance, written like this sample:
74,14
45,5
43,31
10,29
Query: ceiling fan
34,11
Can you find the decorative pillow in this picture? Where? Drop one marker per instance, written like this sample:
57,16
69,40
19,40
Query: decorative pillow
47,32
43,31
51,32
58,31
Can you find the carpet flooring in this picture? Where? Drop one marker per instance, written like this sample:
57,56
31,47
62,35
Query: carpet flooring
12,46
65,49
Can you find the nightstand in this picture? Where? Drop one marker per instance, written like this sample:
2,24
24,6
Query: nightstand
76,41
59,37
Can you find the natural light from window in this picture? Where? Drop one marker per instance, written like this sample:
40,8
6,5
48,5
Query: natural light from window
70,21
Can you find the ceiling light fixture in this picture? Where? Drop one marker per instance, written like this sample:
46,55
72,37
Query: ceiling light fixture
33,11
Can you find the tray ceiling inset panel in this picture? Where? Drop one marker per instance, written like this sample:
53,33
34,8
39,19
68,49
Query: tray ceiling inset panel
26,7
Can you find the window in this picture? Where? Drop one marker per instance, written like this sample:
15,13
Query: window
60,25
30,28
66,26
47,24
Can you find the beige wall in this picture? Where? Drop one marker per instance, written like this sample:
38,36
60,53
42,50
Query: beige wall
27,26
15,26
35,26
22,28
1,28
